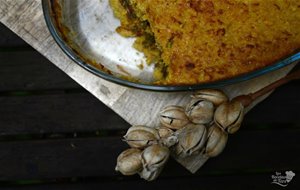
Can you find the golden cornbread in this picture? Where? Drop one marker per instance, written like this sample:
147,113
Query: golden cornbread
199,41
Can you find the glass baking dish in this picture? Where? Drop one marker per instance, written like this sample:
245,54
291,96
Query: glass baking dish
85,31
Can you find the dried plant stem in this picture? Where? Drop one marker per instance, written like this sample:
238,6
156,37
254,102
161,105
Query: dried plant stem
246,100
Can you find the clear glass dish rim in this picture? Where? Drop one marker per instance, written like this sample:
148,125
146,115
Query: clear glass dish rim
217,84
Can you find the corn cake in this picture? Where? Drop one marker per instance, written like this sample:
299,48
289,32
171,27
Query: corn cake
200,41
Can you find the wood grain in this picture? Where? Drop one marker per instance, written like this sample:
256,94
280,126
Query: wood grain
61,112
232,182
8,39
28,70
56,112
96,157
25,18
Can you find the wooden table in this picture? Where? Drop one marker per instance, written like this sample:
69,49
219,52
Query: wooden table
257,151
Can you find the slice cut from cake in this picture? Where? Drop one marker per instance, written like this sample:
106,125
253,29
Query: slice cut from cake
200,41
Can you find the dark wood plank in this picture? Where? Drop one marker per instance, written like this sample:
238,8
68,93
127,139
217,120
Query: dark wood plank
281,107
56,113
248,152
28,70
234,182
8,39
59,158
62,112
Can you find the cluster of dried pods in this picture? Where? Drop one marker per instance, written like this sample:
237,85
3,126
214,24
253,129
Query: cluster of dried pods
201,127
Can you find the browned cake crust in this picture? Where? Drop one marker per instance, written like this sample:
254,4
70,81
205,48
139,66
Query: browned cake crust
199,41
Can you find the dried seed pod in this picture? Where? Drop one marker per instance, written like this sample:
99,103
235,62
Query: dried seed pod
129,162
164,131
167,137
141,136
200,111
154,158
216,141
169,140
191,140
217,97
173,117
229,116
